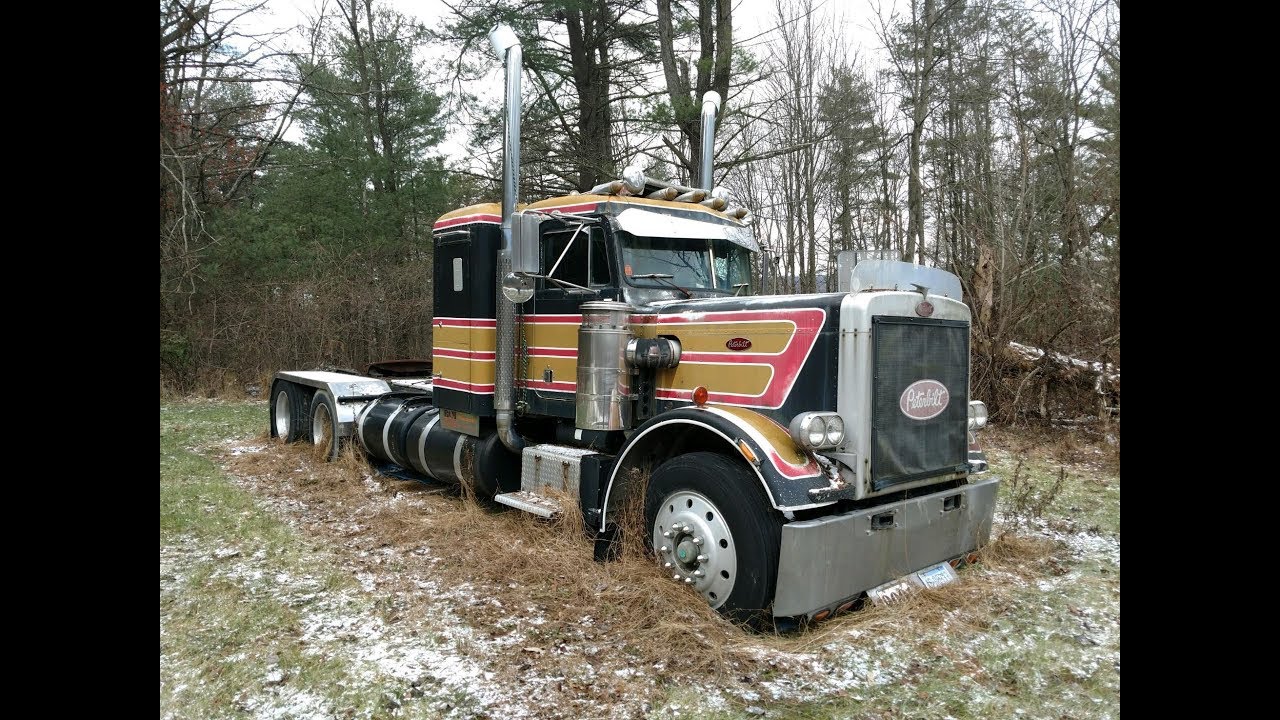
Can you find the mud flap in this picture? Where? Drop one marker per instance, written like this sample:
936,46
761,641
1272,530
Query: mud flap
607,546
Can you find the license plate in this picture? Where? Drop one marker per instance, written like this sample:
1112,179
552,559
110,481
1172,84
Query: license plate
937,576
933,576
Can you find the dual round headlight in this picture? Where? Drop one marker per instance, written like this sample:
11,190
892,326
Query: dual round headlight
977,414
818,431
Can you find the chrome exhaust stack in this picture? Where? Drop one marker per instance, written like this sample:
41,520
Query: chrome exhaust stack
710,106
507,47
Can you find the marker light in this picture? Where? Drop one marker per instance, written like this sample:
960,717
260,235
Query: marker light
700,396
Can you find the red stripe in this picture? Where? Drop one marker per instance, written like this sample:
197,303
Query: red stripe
464,322
554,352
465,354
465,219
464,387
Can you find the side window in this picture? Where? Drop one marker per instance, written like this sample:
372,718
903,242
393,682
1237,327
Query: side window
569,266
600,274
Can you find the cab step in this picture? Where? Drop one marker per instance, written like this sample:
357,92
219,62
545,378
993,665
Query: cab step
539,505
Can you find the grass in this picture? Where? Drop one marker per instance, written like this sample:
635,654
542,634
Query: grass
295,588
237,587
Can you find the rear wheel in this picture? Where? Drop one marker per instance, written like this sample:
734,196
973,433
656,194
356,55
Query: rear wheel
286,411
324,425
712,528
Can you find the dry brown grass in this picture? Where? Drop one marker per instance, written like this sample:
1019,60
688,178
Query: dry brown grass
622,614
1078,445
616,615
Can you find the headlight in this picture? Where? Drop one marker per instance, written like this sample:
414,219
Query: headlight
835,431
977,414
817,430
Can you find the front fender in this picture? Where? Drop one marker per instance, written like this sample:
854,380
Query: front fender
786,471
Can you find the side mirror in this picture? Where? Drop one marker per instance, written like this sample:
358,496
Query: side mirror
524,242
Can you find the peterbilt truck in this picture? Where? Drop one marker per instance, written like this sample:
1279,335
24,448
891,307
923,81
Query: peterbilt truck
603,353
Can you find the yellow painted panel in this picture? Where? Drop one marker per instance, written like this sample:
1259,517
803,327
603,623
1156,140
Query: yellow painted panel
777,435
461,338
454,338
481,209
736,378
644,330
473,371
484,339
563,369
765,337
549,335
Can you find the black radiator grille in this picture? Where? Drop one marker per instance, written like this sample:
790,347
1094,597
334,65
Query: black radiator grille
906,351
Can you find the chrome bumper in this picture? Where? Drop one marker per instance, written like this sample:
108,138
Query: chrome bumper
832,559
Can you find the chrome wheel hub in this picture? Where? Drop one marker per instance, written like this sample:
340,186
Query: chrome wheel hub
282,414
693,544
321,427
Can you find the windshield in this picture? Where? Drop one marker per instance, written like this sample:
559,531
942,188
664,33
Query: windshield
692,264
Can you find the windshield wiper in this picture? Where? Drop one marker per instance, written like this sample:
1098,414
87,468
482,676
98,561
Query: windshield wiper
663,277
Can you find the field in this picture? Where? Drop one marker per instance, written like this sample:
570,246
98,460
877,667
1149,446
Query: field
294,588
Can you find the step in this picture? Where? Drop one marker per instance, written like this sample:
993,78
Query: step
530,502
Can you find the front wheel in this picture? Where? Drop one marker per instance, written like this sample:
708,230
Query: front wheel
712,528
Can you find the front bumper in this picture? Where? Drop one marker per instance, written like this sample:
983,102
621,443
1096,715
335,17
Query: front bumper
833,559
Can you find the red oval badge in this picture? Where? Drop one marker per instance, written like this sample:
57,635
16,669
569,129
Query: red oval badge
924,399
738,343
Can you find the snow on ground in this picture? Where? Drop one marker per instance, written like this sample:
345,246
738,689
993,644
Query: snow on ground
450,660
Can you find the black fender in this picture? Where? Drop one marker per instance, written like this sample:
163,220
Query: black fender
786,471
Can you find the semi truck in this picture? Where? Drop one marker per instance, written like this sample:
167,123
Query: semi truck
604,353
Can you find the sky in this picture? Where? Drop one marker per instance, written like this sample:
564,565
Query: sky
750,20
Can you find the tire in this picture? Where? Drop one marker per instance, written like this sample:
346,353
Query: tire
324,426
287,411
706,513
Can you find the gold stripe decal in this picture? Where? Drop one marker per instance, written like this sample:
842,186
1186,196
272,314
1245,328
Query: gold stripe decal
736,378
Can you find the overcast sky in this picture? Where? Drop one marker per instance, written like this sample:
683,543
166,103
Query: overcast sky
751,23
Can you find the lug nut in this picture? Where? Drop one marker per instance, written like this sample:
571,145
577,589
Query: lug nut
667,565
688,581
697,541
665,549
699,573
676,577
701,558
667,534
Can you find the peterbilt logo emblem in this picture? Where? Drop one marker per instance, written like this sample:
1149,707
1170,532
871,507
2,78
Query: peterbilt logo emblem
924,308
738,343
924,399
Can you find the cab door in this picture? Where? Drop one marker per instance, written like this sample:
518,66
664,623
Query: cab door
577,255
